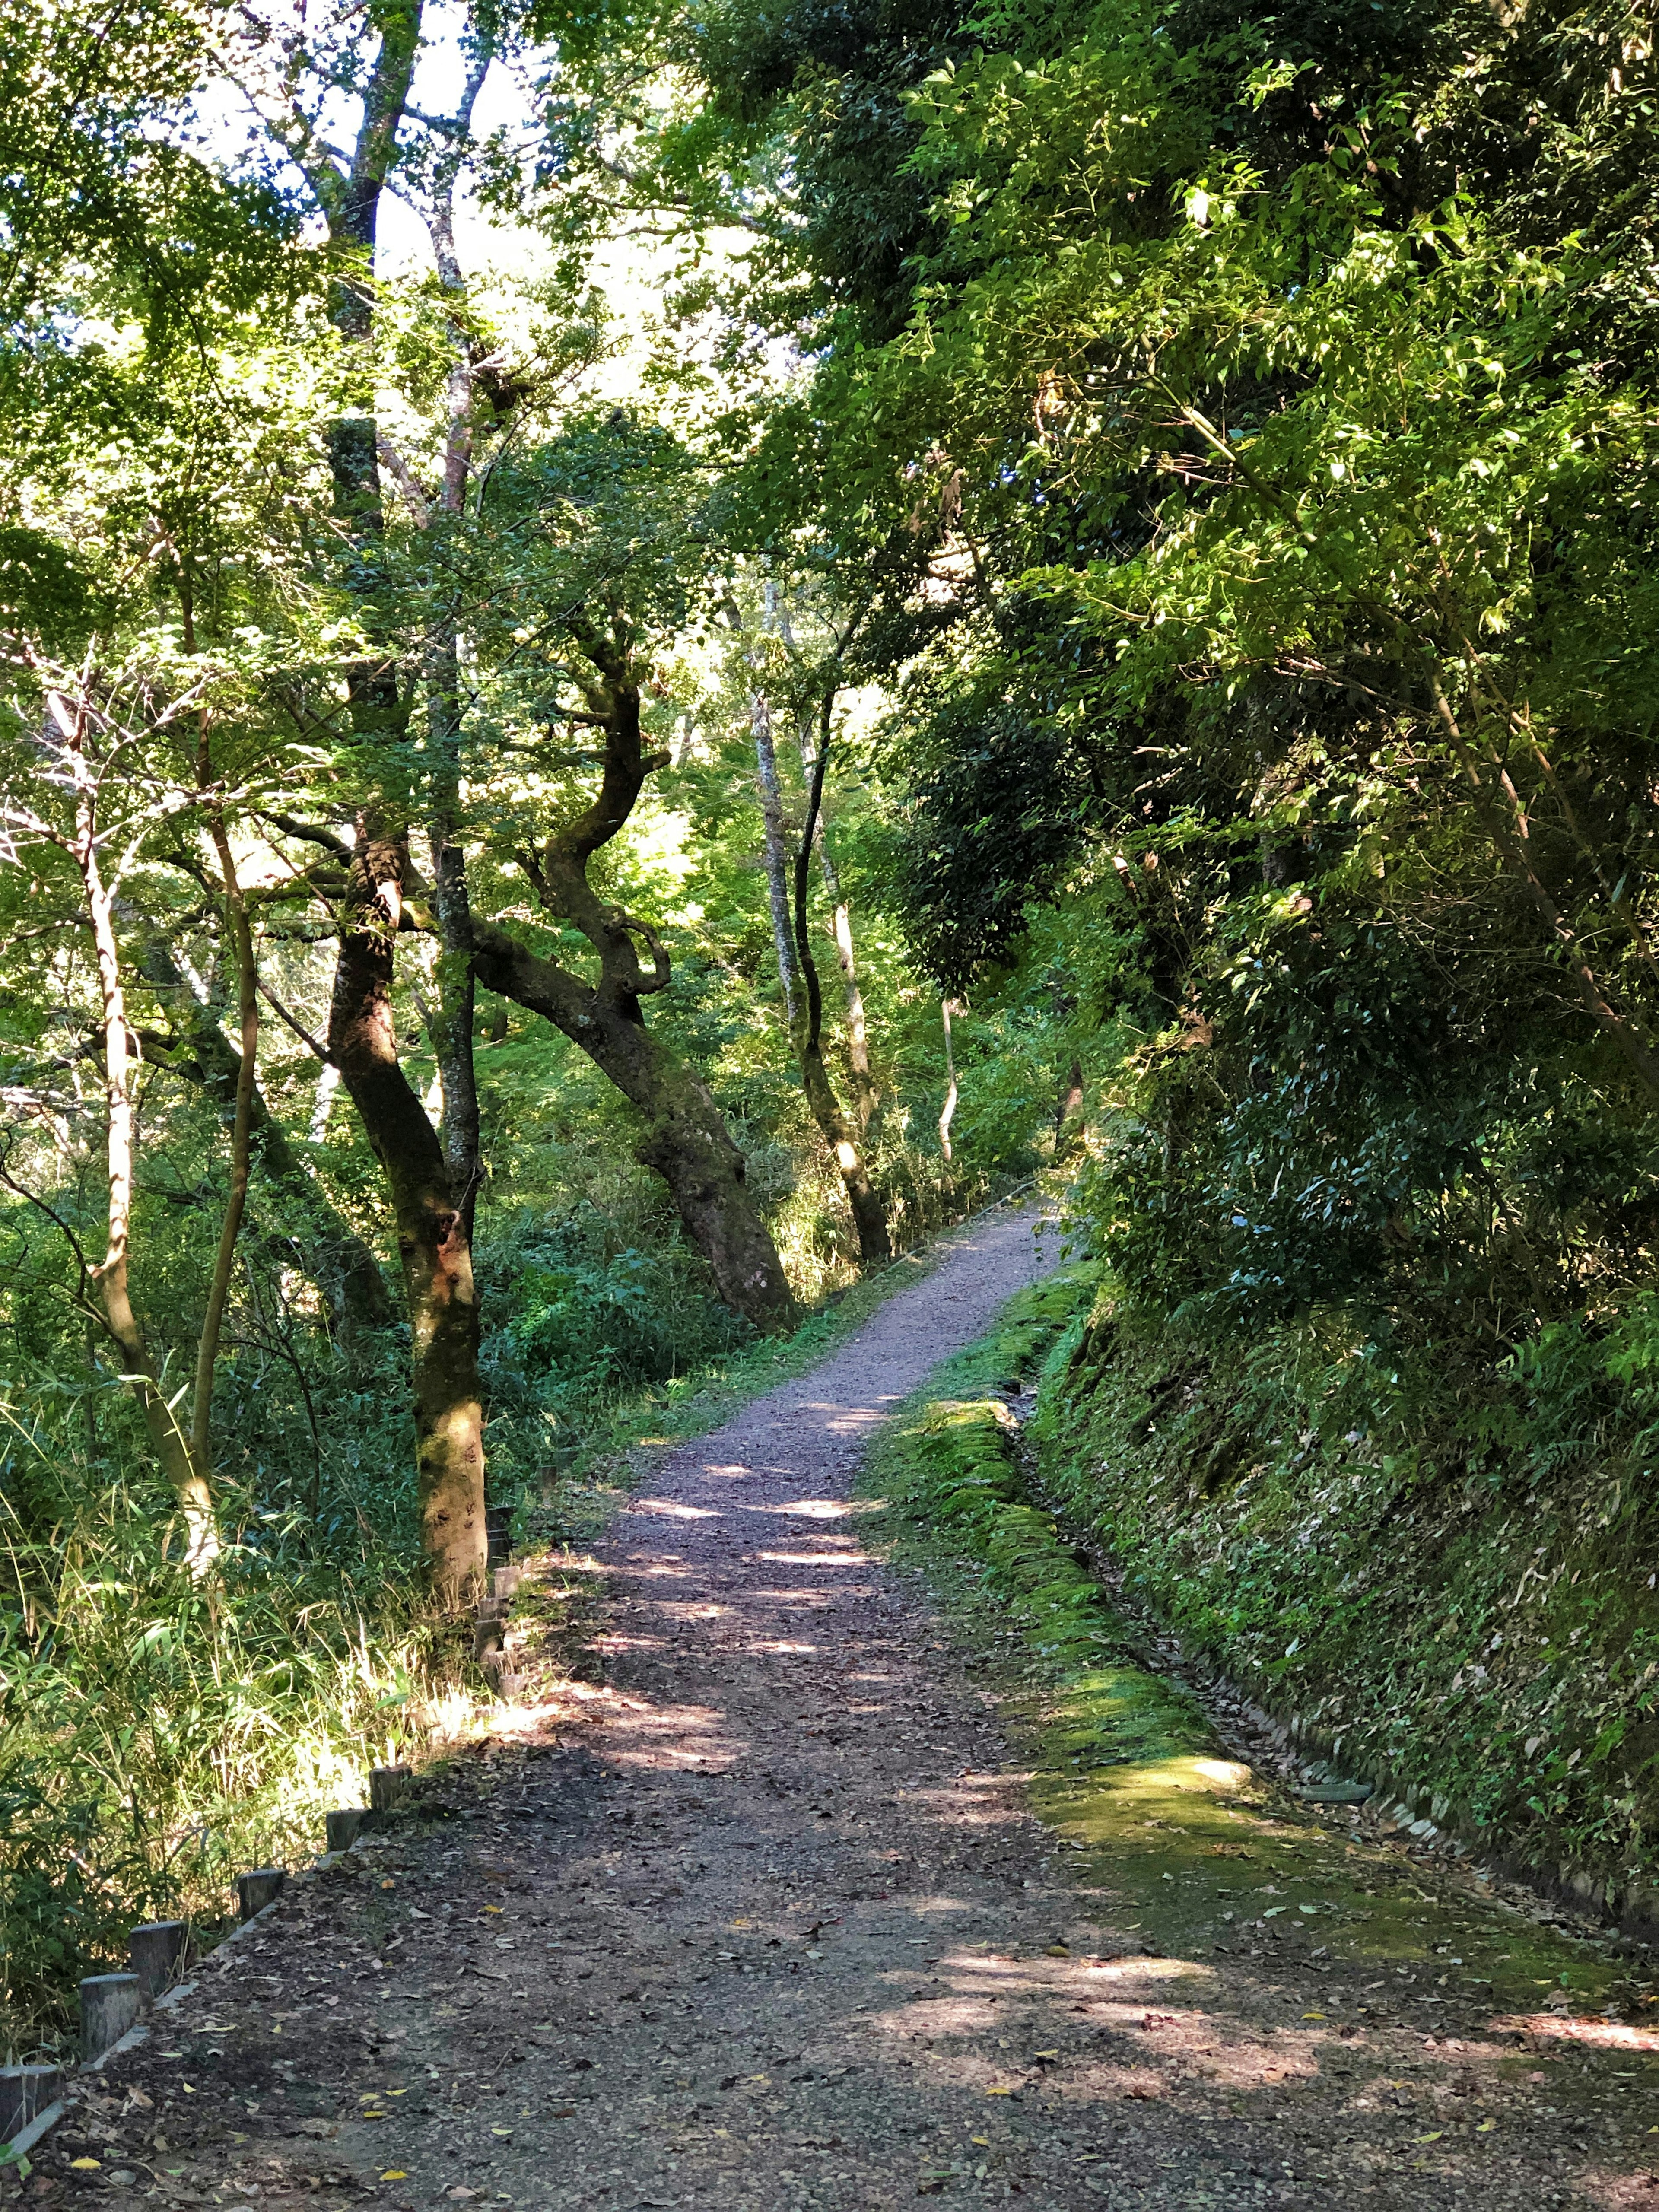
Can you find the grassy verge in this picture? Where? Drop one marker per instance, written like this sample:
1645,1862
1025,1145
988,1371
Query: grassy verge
1177,1841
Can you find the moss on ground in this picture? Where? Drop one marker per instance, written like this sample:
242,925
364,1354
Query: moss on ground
1177,1841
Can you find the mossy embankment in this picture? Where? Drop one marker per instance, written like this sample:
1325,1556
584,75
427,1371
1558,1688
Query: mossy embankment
1466,1620
1177,1841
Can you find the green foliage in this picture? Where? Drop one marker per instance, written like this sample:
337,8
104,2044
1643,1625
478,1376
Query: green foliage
157,1738
1443,1567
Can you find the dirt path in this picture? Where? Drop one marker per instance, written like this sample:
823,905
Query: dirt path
770,1926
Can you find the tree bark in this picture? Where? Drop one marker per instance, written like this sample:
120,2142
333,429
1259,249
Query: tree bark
247,1010
869,1215
451,1025
432,1215
685,1141
167,1439
947,1112
867,1093
460,1131
802,994
432,1240
774,854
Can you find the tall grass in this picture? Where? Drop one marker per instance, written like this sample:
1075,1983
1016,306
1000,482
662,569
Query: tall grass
158,1736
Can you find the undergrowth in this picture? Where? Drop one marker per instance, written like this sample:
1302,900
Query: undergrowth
159,1736
1404,1554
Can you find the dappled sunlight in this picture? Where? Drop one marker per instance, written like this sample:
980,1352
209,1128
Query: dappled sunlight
816,1559
1560,2027
671,1509
672,1736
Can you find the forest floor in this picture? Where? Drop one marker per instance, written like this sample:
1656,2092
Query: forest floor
763,1916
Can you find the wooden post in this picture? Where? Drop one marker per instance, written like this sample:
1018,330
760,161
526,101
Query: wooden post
258,1889
109,2006
25,2093
498,1529
341,1828
156,1952
388,1786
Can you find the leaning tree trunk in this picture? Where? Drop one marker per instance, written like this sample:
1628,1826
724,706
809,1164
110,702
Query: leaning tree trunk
432,1240
686,1140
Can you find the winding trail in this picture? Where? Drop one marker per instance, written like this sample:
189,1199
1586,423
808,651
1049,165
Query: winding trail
761,1920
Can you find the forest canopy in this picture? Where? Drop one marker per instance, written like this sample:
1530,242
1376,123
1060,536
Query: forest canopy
645,653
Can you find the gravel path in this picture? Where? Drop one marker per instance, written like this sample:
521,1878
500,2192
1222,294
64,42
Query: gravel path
760,1920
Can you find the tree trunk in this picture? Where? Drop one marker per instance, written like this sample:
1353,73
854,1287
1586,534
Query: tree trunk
948,1111
432,1240
247,1010
432,1215
686,1140
451,1025
805,1000
343,1267
167,1439
869,1215
776,854
867,1093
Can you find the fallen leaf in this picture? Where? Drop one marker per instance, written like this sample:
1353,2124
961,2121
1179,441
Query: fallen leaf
394,2173
386,1882
494,1908
1313,2016
1433,2135
461,2196
1486,2127
85,2165
1058,1951
999,2093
